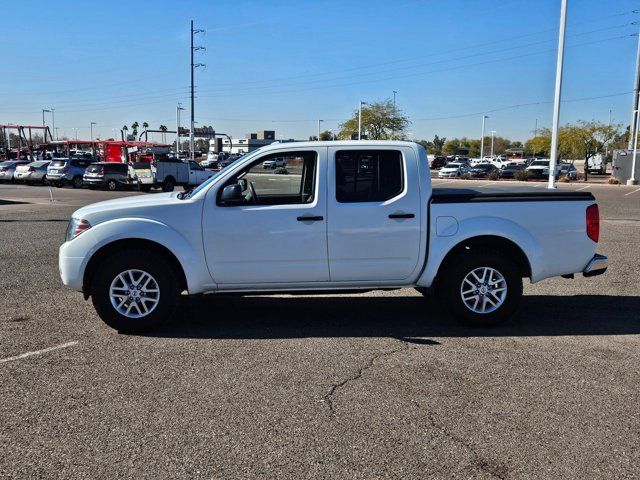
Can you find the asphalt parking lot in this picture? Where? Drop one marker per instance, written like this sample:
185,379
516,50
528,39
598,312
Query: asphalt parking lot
375,385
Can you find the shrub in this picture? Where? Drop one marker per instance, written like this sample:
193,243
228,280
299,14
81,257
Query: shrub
564,180
465,176
613,181
521,175
494,175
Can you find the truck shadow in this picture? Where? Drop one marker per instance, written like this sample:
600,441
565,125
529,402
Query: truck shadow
407,318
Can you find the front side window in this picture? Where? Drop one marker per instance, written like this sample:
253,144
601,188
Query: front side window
290,182
368,175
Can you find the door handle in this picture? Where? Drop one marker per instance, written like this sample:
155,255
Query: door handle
401,215
310,219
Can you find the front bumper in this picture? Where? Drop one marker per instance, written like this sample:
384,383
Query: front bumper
596,266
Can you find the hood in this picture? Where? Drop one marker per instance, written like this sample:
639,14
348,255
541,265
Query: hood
127,203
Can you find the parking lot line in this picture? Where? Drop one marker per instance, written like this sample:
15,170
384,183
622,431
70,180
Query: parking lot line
583,188
486,184
636,190
39,352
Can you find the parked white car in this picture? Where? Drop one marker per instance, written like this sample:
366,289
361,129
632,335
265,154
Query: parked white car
540,168
34,172
274,163
452,170
350,215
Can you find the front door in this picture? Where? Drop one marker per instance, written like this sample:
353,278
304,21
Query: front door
277,233
374,213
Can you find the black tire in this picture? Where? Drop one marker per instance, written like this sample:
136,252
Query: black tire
76,182
451,280
168,185
112,185
152,263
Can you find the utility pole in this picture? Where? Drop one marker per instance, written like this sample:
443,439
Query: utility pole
556,98
493,133
319,128
636,91
193,67
606,146
178,108
44,110
91,128
484,117
53,122
393,133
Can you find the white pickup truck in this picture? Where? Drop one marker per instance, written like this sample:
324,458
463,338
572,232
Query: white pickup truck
353,215
167,173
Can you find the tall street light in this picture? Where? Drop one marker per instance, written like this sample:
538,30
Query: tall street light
43,111
484,117
360,118
91,129
319,121
556,99
53,122
178,109
633,180
493,134
394,112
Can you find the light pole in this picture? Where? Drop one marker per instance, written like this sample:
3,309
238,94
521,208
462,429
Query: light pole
493,133
556,98
91,129
636,91
393,134
360,118
484,117
44,110
53,122
76,130
606,146
194,31
633,180
178,108
319,128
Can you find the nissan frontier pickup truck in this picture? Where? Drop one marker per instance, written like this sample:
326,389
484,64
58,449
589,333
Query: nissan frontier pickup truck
351,215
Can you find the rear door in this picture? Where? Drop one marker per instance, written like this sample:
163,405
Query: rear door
374,213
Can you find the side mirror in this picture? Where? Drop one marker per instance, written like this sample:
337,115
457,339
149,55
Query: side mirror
232,195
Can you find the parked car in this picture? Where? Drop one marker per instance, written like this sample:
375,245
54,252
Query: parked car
30,173
438,162
109,175
568,170
67,171
597,164
540,168
452,170
274,163
483,170
135,256
510,171
8,168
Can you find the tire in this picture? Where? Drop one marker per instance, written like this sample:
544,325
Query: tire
112,185
163,277
76,182
498,308
168,185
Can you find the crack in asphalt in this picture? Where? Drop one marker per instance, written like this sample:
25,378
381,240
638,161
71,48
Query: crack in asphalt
328,398
494,469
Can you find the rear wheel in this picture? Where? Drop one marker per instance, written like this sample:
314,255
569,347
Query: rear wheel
481,287
76,182
135,290
168,185
112,185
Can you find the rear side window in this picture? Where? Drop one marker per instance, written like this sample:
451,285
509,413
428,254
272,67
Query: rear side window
94,168
117,168
368,175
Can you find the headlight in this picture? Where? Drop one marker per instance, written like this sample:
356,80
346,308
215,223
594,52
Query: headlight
76,227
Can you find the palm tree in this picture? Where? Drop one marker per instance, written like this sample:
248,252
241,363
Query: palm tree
134,127
125,128
163,128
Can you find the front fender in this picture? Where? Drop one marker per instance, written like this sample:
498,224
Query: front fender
188,251
440,246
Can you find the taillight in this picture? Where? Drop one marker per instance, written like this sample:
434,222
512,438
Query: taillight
4,169
593,222
65,169
31,169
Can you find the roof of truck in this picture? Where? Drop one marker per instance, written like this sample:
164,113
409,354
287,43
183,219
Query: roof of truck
340,143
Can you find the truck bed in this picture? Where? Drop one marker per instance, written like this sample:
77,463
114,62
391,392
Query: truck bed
469,195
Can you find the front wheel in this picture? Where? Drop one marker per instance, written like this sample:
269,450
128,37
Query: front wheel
481,287
135,290
112,185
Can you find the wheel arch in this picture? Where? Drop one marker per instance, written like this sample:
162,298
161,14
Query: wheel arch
106,251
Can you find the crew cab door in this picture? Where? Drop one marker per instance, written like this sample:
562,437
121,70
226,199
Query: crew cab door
277,234
197,174
374,213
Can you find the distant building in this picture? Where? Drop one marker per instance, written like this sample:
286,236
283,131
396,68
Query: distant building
251,142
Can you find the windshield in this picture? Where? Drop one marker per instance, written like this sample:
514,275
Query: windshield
58,163
541,163
203,185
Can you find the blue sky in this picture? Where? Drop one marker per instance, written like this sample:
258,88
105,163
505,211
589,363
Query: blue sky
284,64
